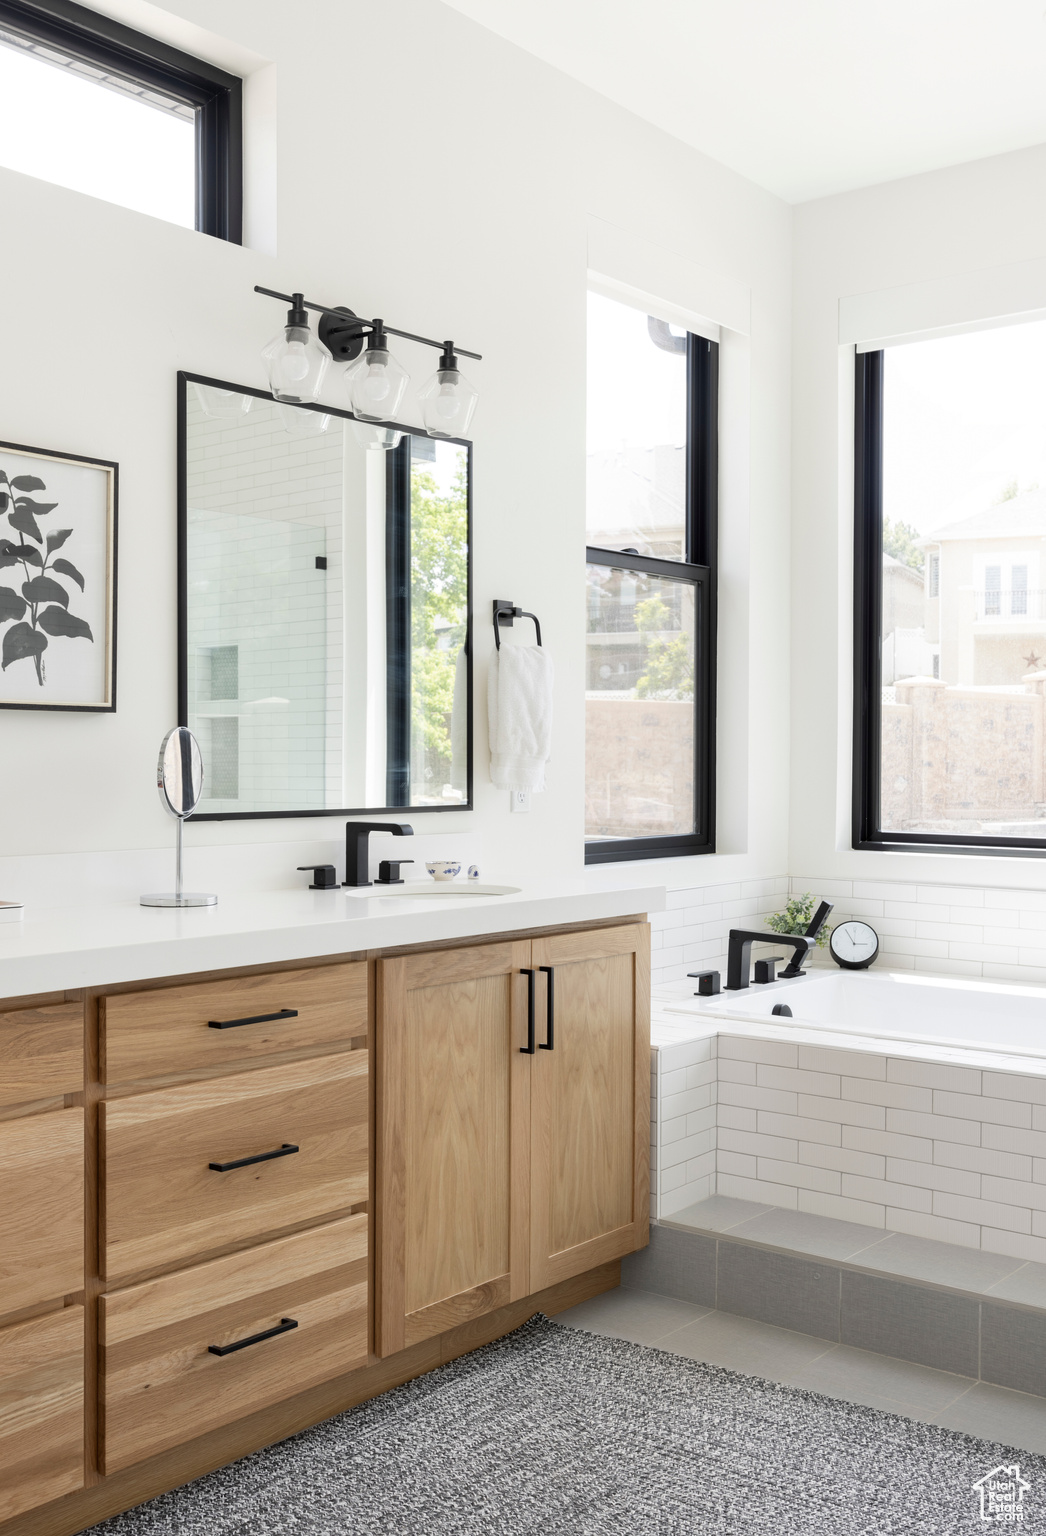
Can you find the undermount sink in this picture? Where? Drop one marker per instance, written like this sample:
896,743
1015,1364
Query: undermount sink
443,888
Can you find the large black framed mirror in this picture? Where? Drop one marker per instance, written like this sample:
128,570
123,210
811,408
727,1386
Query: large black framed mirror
324,608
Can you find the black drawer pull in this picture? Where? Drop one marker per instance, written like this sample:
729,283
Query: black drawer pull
259,1157
550,1017
286,1324
528,1049
258,1018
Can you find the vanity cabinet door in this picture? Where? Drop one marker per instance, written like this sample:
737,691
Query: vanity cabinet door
453,1150
591,1102
41,1410
41,1208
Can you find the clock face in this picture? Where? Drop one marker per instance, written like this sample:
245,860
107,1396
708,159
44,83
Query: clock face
853,945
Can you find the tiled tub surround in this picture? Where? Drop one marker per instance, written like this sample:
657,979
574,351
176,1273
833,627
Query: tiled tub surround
938,1142
691,933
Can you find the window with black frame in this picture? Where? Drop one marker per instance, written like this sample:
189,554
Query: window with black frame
91,104
652,499
950,577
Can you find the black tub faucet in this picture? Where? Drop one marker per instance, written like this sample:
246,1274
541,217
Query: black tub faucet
739,954
357,863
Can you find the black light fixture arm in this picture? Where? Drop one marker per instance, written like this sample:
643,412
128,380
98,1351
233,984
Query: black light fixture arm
357,328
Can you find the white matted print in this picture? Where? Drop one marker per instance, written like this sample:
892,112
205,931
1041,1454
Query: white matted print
57,580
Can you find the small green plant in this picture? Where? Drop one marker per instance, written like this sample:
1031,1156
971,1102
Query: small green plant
797,917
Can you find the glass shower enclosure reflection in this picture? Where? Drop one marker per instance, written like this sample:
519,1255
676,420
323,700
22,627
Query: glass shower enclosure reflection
325,609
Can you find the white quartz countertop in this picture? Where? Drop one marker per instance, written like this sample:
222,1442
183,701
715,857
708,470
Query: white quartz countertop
101,945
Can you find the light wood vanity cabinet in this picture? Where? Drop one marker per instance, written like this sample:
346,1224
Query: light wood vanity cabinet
254,1264
509,1157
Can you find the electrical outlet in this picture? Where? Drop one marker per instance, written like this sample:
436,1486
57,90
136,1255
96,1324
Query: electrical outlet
519,801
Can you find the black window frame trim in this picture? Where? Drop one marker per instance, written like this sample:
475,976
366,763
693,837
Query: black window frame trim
216,95
867,833
700,569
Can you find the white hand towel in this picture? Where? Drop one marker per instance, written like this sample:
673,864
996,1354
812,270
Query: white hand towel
519,701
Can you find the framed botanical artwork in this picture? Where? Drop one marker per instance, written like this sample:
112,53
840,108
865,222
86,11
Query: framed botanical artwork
57,580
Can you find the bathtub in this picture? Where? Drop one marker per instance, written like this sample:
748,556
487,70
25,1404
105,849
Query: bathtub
913,1103
896,1006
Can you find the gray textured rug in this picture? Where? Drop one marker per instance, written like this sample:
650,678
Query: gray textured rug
553,1430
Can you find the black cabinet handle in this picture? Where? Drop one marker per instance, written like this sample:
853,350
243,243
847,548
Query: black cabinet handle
286,1324
259,1157
257,1018
528,1049
550,1018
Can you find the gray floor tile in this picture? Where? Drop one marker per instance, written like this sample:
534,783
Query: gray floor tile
823,1237
778,1288
995,1413
634,1315
910,1322
1027,1284
923,1258
739,1344
716,1214
675,1262
859,1376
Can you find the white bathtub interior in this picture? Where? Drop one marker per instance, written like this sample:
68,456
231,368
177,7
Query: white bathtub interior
894,1005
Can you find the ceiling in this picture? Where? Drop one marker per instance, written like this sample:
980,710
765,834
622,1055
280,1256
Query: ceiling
804,97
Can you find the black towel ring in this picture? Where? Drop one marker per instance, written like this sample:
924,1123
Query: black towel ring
505,612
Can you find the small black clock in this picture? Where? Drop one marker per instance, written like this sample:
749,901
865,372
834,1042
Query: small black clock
853,944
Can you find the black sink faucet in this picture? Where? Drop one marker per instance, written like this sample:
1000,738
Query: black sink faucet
357,864
739,954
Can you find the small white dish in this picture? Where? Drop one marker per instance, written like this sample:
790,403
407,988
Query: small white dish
443,869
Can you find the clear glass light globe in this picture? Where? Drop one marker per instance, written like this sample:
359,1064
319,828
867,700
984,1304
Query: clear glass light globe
448,401
376,384
293,366
296,362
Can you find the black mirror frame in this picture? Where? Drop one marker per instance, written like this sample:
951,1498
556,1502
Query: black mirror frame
397,552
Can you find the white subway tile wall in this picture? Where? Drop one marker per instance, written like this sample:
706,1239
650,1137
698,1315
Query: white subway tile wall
690,934
959,930
932,1149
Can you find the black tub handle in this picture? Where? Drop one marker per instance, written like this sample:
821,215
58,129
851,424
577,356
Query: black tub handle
286,1324
528,1049
259,1157
257,1018
550,1017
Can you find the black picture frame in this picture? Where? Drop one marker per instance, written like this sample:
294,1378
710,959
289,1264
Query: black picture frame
397,621
111,470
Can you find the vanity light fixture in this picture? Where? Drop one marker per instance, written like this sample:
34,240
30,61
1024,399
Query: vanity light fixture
297,362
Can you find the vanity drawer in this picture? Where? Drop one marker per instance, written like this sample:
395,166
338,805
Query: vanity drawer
41,1208
300,1132
161,1383
174,1029
41,1052
41,1410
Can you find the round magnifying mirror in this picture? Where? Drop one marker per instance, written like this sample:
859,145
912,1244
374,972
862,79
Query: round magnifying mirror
179,779
179,772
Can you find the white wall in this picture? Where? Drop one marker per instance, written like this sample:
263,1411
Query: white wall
951,247
429,172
